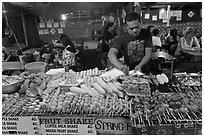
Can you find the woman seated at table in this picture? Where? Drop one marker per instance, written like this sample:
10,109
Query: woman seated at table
47,53
188,46
6,55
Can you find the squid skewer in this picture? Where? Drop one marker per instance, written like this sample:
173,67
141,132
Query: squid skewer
159,121
189,116
142,120
133,122
173,116
181,118
148,120
195,115
138,119
160,117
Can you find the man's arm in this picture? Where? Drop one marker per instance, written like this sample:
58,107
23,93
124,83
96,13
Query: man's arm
145,59
112,56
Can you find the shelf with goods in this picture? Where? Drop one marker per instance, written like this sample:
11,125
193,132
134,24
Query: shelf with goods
58,109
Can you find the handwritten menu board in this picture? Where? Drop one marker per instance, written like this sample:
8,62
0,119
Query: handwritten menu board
67,126
113,126
28,125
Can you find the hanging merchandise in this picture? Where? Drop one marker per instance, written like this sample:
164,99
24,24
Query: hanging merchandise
42,25
46,31
55,24
146,16
60,31
49,25
154,17
40,32
62,24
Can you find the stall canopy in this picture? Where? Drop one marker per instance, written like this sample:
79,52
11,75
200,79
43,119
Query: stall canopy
55,9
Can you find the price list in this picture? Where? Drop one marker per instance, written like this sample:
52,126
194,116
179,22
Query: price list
28,125
67,126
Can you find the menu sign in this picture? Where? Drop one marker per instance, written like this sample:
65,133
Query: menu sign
67,126
20,125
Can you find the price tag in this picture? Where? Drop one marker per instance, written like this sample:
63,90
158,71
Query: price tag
28,125
185,129
67,126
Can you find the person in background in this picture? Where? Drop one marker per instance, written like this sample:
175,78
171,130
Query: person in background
67,43
172,42
6,54
200,40
164,35
135,44
150,28
188,45
68,53
47,53
109,36
156,40
167,31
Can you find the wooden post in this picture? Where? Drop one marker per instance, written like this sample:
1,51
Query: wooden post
168,15
24,27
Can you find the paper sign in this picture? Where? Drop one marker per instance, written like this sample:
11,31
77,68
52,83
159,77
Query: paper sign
55,24
40,32
62,24
53,31
171,13
42,25
46,31
154,17
49,25
67,126
60,31
28,125
113,126
179,13
190,14
146,16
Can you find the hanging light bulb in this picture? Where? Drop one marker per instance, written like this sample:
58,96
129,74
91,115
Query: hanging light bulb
63,16
7,31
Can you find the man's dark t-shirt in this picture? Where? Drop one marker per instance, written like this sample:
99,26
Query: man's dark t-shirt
133,48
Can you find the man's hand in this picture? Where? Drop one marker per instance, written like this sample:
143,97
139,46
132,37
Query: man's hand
125,69
138,68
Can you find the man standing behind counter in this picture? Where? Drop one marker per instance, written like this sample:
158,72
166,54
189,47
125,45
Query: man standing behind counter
135,44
